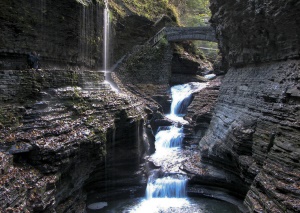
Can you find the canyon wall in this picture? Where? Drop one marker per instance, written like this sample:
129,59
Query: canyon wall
63,33
255,129
69,34
63,134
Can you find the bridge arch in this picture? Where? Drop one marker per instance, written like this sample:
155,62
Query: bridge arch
190,33
174,34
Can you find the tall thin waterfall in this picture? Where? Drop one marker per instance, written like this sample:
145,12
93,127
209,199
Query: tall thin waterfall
86,30
106,52
106,36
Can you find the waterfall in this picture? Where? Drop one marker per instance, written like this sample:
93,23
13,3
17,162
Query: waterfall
182,96
86,32
106,27
106,42
181,99
168,137
167,140
167,187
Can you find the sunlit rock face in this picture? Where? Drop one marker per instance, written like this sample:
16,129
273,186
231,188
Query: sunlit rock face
255,127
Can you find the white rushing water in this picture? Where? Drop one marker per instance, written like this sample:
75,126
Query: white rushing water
106,26
167,187
106,43
181,98
168,137
163,188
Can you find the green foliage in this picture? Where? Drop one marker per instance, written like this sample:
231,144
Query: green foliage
163,42
83,2
192,12
209,49
145,56
152,9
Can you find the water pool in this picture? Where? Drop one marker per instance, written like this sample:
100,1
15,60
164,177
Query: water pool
168,205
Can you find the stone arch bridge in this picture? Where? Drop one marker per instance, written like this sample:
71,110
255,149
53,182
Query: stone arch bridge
206,33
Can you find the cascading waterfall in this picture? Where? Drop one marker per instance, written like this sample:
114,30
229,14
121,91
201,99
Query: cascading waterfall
166,187
171,185
181,99
168,139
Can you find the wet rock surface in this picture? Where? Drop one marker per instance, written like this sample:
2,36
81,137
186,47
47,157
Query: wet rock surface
200,111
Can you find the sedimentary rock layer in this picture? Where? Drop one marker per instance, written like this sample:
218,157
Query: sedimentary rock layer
63,33
58,138
255,129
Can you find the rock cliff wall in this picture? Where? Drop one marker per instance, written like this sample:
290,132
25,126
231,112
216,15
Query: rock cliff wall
256,31
64,33
69,34
255,128
65,134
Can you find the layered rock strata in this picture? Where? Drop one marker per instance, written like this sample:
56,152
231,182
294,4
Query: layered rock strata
254,133
63,33
63,138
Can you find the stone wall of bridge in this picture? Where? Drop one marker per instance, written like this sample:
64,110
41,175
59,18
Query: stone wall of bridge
190,33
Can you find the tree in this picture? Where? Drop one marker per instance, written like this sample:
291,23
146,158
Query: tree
193,12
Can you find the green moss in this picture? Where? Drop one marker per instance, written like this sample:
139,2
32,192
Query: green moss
149,9
146,55
189,47
163,42
117,10
76,103
84,2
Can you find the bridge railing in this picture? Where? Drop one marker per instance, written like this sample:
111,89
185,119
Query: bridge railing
158,36
206,33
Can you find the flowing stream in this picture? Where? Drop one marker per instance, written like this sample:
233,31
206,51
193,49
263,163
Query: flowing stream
166,186
181,99
166,190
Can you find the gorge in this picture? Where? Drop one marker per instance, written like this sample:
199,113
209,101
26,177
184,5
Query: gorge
68,140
